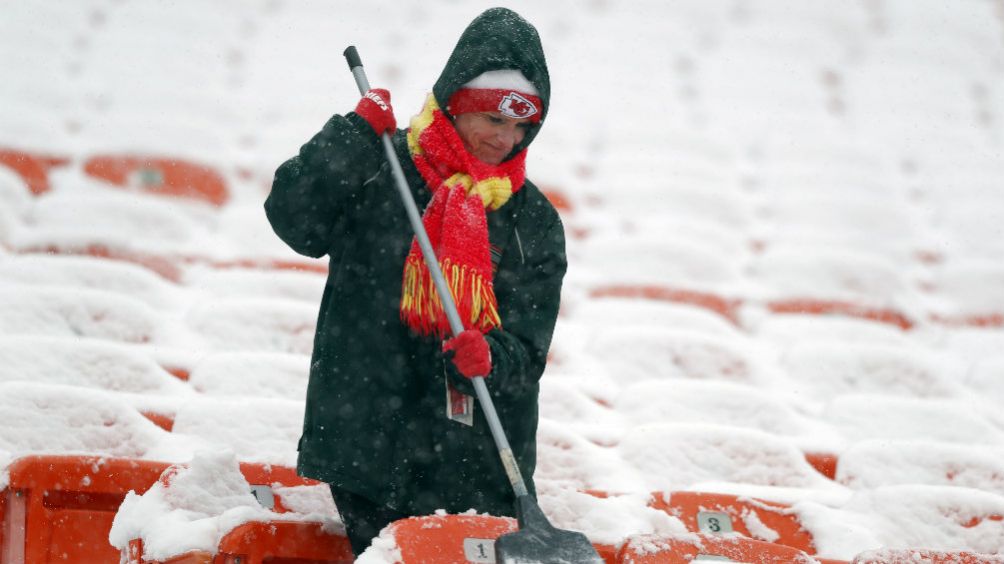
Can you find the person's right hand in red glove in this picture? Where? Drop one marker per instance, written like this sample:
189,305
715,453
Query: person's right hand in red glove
470,354
375,108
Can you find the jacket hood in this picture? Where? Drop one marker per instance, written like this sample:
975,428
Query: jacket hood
497,39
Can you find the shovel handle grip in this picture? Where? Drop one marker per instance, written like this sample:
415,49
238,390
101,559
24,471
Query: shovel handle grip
352,57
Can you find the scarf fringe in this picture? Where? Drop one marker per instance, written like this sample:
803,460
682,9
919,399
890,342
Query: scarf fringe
422,309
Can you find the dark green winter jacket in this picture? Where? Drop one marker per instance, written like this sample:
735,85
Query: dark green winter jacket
375,421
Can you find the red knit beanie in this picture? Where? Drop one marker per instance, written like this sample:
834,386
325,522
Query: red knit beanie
505,91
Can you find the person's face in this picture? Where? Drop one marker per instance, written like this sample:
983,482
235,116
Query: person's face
490,136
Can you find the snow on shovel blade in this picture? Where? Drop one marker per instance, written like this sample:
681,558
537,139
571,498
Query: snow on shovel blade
538,542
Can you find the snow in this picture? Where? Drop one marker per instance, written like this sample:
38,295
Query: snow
193,505
747,153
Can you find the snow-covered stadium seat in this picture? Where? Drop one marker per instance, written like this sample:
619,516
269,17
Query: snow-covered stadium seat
820,371
254,324
90,273
251,374
636,354
74,313
721,514
160,175
876,463
669,456
964,421
727,404
86,363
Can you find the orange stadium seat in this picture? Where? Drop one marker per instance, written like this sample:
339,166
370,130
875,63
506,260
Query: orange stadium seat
828,307
558,199
163,420
134,555
458,538
319,267
275,542
172,268
279,542
684,549
824,462
449,538
60,508
168,268
33,168
726,307
162,176
913,556
261,478
989,320
712,513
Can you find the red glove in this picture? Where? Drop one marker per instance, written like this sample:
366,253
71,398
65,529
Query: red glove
471,354
375,108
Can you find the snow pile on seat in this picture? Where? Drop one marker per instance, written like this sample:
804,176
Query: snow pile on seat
823,370
86,363
127,222
726,404
605,520
875,463
638,354
255,429
684,456
71,420
90,273
255,324
72,312
194,505
909,516
252,374
863,416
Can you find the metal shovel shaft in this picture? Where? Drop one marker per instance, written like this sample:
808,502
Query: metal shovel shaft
445,296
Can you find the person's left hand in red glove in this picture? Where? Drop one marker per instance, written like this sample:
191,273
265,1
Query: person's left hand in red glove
469,353
375,108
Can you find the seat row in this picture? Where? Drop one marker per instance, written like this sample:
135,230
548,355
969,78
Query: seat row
63,506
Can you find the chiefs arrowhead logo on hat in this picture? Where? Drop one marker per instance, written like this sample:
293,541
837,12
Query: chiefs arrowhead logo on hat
516,106
508,102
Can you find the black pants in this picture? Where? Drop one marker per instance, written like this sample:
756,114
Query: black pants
363,518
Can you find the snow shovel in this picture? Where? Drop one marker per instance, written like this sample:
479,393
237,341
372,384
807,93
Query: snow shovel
536,541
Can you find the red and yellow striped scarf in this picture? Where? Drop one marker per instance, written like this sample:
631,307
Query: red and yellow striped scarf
463,189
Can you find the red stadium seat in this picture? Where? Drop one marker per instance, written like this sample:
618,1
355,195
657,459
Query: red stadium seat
172,268
164,421
162,176
319,267
449,538
33,168
60,508
281,542
824,462
458,538
684,549
913,556
275,542
989,320
712,513
166,267
261,478
827,307
727,308
134,555
558,199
